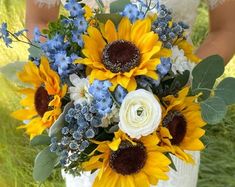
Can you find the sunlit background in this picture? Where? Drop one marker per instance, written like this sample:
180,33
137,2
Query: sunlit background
16,155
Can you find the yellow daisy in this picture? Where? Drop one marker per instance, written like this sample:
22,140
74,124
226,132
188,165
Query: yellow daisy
43,100
120,55
124,162
182,125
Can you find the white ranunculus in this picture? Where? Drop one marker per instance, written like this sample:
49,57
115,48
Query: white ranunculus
140,114
79,91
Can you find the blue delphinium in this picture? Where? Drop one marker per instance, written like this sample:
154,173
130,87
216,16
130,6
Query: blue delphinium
4,34
74,8
164,67
82,123
132,12
120,93
37,35
77,38
80,24
62,62
102,97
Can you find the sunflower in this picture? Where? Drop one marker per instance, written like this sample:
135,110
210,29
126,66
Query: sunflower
43,100
124,162
182,125
121,55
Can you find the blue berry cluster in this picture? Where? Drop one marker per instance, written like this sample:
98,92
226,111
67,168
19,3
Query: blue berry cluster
83,121
4,34
168,33
164,67
102,97
132,12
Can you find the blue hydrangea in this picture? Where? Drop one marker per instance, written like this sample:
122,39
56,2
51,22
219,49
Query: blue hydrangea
164,67
132,12
74,8
102,97
120,93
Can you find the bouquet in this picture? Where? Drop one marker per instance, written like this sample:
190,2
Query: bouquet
117,90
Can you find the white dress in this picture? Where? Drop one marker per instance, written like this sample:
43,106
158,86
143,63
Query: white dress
186,175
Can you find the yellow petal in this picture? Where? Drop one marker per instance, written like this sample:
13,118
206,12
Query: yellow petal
132,85
152,74
147,42
115,144
24,114
110,31
124,29
139,28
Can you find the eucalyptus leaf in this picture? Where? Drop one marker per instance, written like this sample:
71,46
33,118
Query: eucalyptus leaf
59,123
181,80
213,110
118,6
40,140
10,72
205,75
35,51
44,165
115,18
226,90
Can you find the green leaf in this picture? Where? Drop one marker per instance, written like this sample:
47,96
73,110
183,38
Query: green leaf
172,165
103,18
44,165
10,72
118,6
226,90
35,52
205,75
181,80
100,5
59,123
213,110
40,140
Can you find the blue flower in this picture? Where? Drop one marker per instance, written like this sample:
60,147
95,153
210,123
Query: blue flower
80,24
76,37
99,89
19,33
131,11
164,67
3,30
74,8
62,62
37,35
4,34
120,93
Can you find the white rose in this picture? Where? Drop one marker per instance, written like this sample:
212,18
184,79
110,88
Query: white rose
140,114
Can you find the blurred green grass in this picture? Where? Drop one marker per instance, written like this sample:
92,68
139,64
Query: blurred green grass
16,156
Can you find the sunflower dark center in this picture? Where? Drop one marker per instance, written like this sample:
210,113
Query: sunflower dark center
128,159
41,101
121,56
177,126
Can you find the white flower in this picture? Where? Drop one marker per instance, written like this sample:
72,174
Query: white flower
79,91
112,117
140,114
180,62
